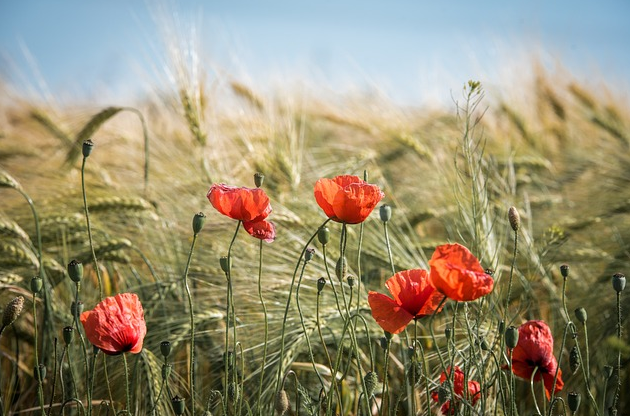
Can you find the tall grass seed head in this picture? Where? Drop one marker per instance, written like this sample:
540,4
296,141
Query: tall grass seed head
75,271
564,270
573,400
68,334
198,221
179,405
7,181
12,311
87,148
619,282
514,218
323,235
385,212
36,284
281,403
511,337
259,178
581,315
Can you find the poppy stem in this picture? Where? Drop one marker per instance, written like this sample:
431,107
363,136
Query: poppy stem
192,326
89,229
38,374
389,248
531,386
128,410
83,346
229,310
321,338
385,393
264,307
618,388
509,291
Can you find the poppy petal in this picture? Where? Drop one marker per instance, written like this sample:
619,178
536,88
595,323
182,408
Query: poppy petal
263,230
325,191
356,202
243,204
548,381
387,313
412,290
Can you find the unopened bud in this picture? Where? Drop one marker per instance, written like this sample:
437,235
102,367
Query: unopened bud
573,400
179,405
385,212
483,344
281,403
619,282
259,178
511,337
370,380
564,270
198,221
226,264
514,218
341,268
383,342
36,284
75,271
581,315
87,148
12,311
323,235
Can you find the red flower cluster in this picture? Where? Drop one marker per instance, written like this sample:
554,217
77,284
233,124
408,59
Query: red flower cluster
473,394
414,297
116,325
535,349
347,198
251,206
456,273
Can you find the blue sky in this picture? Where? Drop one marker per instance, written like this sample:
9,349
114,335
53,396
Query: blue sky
411,50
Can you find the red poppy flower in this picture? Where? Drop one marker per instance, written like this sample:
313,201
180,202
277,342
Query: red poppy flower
263,230
414,297
457,273
535,349
347,198
116,325
474,392
243,204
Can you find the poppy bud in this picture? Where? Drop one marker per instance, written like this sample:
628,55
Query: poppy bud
198,221
511,337
12,311
514,218
321,282
323,235
383,342
385,211
574,359
619,282
580,314
259,178
281,403
489,272
483,344
351,281
166,371
341,268
388,335
76,308
370,380
308,255
88,145
448,332
564,270
165,348
226,264
39,371
608,371
573,400
501,327
75,271
36,284
179,405
68,334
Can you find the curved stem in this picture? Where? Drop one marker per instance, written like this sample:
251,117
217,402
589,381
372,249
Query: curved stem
89,229
192,327
531,385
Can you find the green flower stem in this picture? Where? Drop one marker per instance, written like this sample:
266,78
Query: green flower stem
286,309
109,389
321,338
84,348
501,391
89,228
585,373
229,310
308,339
192,327
128,406
385,393
75,400
72,377
569,324
262,302
40,391
435,340
54,382
359,276
389,248
513,410
509,292
424,375
531,385
618,388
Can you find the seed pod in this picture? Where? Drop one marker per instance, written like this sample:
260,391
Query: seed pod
574,359
259,178
12,311
385,212
581,315
179,405
619,282
321,282
281,403
514,218
323,235
351,281
511,337
68,334
564,270
341,268
165,348
75,271
87,148
370,380
36,284
226,264
483,344
448,332
198,221
308,254
574,400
